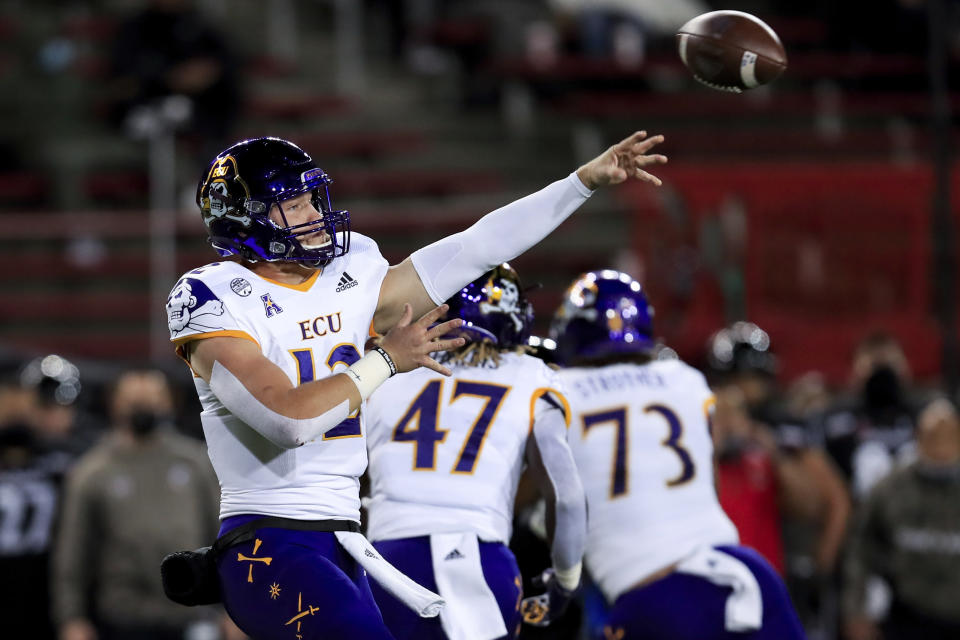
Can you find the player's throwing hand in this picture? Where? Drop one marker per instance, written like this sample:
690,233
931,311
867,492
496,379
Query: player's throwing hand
410,345
624,160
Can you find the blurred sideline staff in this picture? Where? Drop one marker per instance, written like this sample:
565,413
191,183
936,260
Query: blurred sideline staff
31,475
740,357
870,431
908,530
141,491
756,482
781,489
59,417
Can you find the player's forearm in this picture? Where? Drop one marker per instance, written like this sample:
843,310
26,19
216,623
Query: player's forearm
287,417
313,398
447,265
293,416
569,533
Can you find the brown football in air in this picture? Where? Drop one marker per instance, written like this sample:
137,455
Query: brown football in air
731,50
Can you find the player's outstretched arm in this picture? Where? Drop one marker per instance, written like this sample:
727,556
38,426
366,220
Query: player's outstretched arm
258,392
434,273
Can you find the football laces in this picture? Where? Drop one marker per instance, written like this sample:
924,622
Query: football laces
720,87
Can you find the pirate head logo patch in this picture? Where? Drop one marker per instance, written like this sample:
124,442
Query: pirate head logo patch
503,296
191,305
223,193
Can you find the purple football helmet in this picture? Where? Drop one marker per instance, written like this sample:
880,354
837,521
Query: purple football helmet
493,308
239,187
603,313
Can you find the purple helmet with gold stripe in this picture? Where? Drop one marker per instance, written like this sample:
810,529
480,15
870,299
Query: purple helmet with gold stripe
603,313
238,189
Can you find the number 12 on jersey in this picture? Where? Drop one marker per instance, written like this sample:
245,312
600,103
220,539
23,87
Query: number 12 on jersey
345,354
424,411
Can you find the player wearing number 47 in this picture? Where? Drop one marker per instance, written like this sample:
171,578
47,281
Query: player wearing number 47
662,551
274,335
445,460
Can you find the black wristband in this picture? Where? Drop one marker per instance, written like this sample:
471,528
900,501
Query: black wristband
388,359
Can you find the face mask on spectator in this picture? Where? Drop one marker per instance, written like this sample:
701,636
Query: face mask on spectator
882,389
143,422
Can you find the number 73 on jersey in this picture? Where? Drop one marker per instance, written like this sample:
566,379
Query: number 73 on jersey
618,419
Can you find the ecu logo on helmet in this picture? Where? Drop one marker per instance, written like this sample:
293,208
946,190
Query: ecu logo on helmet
503,296
216,200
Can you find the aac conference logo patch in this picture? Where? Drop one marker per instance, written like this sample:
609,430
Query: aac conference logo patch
241,287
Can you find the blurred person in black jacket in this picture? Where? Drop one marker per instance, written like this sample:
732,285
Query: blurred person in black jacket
31,477
60,418
870,431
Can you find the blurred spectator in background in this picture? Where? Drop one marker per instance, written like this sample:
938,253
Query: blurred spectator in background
770,447
18,403
808,396
622,29
141,493
169,49
30,480
58,418
756,480
908,531
868,432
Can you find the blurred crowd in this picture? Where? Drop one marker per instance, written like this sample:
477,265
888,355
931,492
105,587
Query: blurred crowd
852,494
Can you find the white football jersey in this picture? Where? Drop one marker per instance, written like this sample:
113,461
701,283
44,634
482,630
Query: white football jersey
312,330
446,453
641,440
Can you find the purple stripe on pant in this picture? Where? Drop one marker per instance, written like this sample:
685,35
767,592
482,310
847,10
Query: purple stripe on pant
412,557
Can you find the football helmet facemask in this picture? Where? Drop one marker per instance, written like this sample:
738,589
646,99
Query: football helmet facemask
603,313
239,188
493,308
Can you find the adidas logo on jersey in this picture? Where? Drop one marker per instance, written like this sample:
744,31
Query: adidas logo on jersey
346,281
369,554
454,555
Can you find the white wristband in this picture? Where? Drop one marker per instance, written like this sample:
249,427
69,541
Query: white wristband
369,372
569,579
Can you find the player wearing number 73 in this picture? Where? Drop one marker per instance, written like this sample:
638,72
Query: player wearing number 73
274,335
659,546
